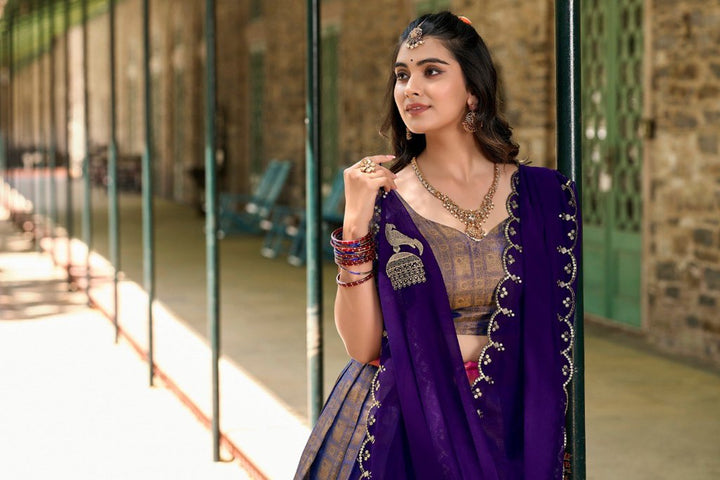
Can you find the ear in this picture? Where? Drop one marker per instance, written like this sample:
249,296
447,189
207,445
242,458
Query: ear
472,102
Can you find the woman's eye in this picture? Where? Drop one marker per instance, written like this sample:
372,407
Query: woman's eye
400,75
431,71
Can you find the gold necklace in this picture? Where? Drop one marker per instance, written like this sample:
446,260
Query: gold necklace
472,219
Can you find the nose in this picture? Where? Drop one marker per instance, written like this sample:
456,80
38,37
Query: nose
412,87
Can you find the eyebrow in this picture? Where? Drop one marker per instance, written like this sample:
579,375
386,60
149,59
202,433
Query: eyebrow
423,62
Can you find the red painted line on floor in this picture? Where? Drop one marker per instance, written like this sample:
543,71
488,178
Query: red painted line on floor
237,454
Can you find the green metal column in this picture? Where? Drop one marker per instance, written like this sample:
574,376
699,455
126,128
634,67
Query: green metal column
3,111
37,127
9,142
113,209
569,152
69,213
8,100
52,140
313,215
87,190
42,132
147,190
211,226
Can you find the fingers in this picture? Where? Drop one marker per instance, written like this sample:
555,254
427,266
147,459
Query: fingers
376,159
368,175
382,158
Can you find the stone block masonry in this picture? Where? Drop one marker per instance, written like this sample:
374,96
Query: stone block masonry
681,217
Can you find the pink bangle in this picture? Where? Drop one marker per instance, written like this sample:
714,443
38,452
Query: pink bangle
355,283
337,241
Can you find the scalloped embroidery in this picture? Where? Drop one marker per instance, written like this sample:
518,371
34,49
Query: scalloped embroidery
568,296
501,291
364,452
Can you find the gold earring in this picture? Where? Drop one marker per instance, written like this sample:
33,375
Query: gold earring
471,122
408,134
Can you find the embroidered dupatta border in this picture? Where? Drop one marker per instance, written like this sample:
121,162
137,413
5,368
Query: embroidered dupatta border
568,287
513,279
510,280
363,452
505,291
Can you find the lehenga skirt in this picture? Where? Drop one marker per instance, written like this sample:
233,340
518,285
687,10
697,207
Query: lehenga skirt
334,443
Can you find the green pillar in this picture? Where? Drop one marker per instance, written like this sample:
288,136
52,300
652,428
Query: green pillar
87,187
43,199
147,190
313,215
69,213
7,99
38,149
569,152
113,209
211,226
3,111
52,140
10,126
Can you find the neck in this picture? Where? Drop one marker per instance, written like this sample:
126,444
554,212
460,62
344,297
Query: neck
456,155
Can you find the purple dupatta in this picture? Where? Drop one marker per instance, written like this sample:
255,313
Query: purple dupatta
425,421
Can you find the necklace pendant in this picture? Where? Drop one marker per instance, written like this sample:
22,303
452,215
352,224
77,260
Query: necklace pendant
474,232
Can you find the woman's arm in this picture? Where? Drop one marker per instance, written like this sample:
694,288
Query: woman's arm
358,317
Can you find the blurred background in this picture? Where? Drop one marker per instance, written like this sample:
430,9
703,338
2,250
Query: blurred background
650,80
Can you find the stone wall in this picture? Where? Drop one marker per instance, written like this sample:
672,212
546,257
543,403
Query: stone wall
683,166
368,31
232,91
371,28
520,36
681,253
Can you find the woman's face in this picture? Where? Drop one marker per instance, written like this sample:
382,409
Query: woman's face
430,91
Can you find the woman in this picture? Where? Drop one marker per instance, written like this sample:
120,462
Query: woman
458,319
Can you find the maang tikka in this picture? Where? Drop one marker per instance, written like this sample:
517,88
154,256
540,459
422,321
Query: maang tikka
414,38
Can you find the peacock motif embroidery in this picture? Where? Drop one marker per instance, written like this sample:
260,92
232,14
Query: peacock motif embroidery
404,269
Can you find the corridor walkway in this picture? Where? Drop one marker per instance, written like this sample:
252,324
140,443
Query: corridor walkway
74,405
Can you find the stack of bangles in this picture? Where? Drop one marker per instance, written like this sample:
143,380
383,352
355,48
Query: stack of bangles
350,253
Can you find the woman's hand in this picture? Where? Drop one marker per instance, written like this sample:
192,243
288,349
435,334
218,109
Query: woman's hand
358,316
362,182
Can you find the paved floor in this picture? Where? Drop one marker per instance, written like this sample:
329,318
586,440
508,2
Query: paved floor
73,404
648,417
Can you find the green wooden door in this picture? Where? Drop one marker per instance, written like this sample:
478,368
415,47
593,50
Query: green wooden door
612,49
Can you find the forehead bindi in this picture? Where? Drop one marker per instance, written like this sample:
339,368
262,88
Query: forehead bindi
432,48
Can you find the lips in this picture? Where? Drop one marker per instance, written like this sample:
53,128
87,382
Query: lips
416,108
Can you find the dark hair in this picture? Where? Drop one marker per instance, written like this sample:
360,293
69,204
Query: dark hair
463,41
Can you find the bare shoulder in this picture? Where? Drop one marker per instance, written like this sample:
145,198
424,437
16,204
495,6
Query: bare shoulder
407,184
504,189
405,178
507,170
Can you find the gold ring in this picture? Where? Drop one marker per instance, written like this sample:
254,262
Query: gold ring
367,165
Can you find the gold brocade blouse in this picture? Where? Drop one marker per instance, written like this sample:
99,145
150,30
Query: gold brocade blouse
471,270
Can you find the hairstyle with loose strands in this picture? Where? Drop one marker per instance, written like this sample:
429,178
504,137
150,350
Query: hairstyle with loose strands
469,49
